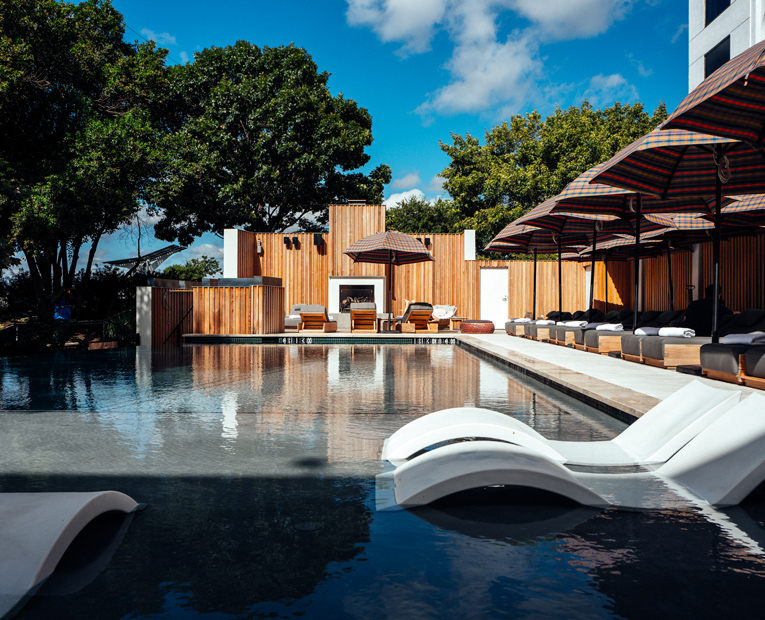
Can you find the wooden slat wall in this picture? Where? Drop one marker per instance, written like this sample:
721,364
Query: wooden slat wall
656,281
238,310
267,309
348,224
742,271
170,315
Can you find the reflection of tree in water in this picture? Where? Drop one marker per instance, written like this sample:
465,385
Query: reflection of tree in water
212,544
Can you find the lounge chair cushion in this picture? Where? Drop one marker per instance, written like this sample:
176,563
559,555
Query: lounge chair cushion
652,347
755,361
443,312
631,344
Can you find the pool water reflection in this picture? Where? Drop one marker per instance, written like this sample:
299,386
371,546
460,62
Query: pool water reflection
258,465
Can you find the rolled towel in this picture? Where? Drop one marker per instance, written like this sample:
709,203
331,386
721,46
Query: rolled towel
293,316
676,332
544,322
575,323
524,320
647,331
753,338
610,327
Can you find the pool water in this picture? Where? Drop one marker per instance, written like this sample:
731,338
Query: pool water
257,464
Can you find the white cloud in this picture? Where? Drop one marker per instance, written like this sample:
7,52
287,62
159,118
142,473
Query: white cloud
436,184
603,90
163,38
407,181
572,19
487,73
184,57
395,199
683,28
639,66
204,249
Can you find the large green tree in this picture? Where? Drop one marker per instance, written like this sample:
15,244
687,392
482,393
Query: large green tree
260,143
417,215
527,160
78,137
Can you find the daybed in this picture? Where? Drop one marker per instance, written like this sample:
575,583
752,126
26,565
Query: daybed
364,317
522,327
605,342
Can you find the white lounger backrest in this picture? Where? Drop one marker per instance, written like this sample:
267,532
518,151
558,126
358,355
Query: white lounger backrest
671,424
726,461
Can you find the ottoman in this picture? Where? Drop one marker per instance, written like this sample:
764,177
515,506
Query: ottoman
477,327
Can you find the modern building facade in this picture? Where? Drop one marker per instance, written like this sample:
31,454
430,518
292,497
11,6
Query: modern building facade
718,30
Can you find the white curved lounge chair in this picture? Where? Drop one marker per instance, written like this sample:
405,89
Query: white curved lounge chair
35,531
652,439
720,466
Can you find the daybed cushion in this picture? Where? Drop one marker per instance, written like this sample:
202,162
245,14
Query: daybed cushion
443,312
721,357
653,346
744,339
755,361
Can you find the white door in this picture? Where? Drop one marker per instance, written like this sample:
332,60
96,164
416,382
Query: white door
494,285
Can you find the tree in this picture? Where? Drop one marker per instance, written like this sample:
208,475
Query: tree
261,144
78,137
528,160
417,215
194,269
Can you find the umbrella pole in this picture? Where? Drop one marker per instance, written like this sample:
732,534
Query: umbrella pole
635,304
605,275
534,304
560,280
716,260
592,266
669,277
390,289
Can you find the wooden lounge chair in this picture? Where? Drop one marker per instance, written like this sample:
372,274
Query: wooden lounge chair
364,317
314,319
417,319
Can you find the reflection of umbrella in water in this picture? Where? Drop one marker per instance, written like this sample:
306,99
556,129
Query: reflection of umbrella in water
391,248
676,164
520,238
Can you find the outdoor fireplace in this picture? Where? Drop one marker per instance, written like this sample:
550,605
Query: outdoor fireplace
345,290
355,293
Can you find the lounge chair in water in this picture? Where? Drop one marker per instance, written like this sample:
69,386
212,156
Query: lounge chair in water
652,439
719,466
35,531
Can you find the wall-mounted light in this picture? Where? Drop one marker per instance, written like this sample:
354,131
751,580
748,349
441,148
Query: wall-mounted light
427,241
286,241
318,239
295,241
259,249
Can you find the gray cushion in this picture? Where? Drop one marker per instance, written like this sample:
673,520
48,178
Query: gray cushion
747,318
652,347
364,305
755,362
721,357
631,344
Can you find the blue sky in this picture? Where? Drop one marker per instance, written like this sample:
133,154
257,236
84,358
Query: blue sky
427,68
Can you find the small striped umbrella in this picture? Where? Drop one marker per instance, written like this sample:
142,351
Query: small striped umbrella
730,102
677,164
391,248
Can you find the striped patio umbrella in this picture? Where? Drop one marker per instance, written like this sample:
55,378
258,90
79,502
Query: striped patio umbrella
676,164
391,248
527,239
730,102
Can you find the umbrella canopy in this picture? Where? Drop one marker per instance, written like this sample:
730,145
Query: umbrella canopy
676,164
730,102
391,248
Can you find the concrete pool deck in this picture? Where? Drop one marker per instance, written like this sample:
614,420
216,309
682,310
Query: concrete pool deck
623,389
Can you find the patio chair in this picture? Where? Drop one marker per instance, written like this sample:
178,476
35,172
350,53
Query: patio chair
416,319
653,438
314,318
719,466
443,314
364,317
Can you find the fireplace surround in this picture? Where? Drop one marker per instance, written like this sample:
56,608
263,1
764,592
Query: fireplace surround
343,290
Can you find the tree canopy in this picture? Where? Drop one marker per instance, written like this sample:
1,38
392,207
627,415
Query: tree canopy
193,269
260,143
78,142
527,160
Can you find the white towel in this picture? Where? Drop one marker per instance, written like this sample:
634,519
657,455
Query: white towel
647,331
293,316
676,332
575,323
610,327
521,320
544,322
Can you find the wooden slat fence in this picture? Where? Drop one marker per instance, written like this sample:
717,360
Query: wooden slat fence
171,315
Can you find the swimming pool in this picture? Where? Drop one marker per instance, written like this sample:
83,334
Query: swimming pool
257,464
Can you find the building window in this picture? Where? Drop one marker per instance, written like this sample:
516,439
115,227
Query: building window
716,57
714,8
